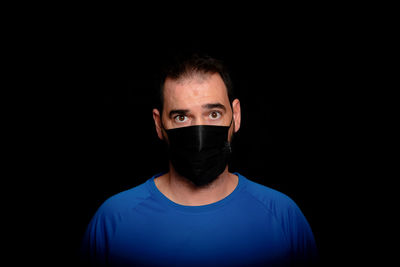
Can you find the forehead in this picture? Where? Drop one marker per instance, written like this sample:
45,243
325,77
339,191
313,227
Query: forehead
194,90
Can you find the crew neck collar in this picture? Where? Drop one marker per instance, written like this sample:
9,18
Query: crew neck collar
194,209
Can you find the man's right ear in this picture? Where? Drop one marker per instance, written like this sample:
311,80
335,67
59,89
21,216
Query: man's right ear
157,122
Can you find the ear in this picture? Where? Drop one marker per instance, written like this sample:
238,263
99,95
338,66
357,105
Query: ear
236,114
157,122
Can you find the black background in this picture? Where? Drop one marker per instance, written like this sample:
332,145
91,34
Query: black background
96,137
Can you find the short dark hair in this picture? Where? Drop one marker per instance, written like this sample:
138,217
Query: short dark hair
187,65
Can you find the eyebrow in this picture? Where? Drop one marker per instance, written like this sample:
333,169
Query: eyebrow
178,112
214,105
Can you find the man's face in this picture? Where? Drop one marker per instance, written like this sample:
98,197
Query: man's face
198,100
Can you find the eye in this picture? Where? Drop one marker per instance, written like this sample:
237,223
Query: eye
215,115
180,118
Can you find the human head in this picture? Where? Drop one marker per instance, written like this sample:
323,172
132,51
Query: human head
186,66
189,80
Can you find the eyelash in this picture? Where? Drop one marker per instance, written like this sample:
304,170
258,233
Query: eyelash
177,116
219,114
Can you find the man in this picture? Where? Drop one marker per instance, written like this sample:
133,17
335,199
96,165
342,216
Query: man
198,213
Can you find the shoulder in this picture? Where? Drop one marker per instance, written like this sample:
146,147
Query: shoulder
270,198
125,200
281,206
291,219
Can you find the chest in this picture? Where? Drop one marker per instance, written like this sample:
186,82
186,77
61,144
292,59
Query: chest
219,238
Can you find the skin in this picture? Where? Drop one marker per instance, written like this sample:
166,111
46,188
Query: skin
192,94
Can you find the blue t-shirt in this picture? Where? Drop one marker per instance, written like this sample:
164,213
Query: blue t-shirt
253,226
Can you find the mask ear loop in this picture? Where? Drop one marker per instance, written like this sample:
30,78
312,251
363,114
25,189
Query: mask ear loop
232,116
228,147
230,124
163,130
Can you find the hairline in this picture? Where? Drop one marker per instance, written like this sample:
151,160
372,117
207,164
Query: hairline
190,75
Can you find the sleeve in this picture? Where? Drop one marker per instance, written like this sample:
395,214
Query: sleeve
300,237
95,243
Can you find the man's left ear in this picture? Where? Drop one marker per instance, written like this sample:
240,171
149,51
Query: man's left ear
236,114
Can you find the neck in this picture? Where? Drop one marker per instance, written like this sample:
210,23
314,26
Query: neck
181,191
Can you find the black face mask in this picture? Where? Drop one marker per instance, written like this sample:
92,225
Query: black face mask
199,153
